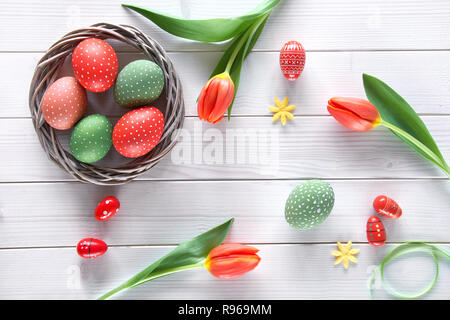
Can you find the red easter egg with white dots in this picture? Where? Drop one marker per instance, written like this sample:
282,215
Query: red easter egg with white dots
64,103
292,60
91,248
95,64
138,132
107,208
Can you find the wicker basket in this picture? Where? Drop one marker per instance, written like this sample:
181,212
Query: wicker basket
46,73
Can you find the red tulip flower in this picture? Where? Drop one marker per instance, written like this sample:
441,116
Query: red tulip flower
229,261
215,98
400,118
353,113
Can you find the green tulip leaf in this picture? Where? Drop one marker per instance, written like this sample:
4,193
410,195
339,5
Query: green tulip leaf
402,120
250,36
221,65
237,66
188,255
209,30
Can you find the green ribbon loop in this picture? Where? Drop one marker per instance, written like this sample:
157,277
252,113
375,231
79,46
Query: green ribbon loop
405,248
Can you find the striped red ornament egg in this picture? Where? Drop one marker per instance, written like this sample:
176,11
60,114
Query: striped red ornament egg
387,207
292,60
138,132
95,64
376,234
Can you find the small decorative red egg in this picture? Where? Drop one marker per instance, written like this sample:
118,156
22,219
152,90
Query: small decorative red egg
91,248
64,103
107,208
138,132
376,234
292,60
95,64
387,207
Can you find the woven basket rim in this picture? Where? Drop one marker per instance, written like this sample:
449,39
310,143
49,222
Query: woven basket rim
45,74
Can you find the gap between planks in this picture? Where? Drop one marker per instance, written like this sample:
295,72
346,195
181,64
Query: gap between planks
165,245
256,116
261,50
239,180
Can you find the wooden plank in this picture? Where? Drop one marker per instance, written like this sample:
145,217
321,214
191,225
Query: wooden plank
154,212
327,74
306,147
285,272
318,24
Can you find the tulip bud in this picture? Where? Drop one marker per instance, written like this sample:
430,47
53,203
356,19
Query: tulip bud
229,261
215,98
353,113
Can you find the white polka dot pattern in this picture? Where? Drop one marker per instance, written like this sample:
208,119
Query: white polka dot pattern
138,84
91,138
95,64
309,204
64,103
138,132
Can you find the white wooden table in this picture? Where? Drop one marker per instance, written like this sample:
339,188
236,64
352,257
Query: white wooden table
44,212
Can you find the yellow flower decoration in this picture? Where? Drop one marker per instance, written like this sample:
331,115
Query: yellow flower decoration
345,254
282,110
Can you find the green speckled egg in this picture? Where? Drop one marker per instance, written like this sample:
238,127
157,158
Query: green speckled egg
138,84
309,204
91,138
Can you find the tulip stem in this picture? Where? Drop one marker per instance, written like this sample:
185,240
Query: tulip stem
131,284
243,40
419,144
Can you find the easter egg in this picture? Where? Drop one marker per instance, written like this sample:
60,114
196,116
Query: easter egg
91,248
95,64
387,207
107,208
292,60
376,234
64,103
138,83
309,204
138,131
91,138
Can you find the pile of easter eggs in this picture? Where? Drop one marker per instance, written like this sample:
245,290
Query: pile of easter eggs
311,202
96,69
91,248
387,207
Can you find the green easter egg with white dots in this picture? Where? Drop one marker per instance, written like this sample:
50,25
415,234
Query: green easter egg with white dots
309,204
138,84
91,138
